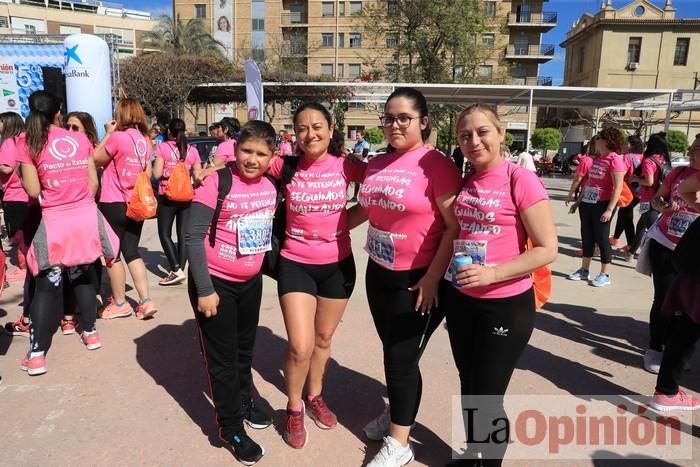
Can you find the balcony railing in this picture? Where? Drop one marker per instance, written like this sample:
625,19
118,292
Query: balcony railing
294,18
545,18
532,81
527,51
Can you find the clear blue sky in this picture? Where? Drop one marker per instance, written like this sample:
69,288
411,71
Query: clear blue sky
568,10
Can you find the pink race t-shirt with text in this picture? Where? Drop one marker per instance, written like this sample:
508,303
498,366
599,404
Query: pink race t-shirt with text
646,194
248,199
11,185
399,194
673,226
317,221
226,150
62,167
130,152
490,222
599,186
168,152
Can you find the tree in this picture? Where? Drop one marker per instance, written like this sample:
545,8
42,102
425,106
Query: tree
429,40
509,139
182,38
163,83
374,135
677,141
546,138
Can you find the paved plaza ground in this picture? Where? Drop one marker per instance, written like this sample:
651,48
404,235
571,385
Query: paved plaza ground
143,398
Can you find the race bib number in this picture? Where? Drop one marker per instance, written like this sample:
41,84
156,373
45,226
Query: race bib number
254,235
590,195
680,221
474,248
644,207
380,247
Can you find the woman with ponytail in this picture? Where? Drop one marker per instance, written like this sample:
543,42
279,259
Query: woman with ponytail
168,154
58,168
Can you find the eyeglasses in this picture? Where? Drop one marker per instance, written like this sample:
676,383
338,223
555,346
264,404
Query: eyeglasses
71,127
403,121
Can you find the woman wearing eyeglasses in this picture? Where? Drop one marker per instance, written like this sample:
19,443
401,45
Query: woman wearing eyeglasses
407,197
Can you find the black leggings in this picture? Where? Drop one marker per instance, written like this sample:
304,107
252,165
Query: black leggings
227,340
128,230
25,218
645,221
663,274
400,328
625,222
169,212
49,297
593,231
487,337
679,347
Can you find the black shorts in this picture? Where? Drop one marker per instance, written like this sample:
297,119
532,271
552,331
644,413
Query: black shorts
335,280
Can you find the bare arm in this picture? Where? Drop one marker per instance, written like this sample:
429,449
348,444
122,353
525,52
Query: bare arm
618,179
158,168
102,158
93,183
688,190
574,186
30,180
356,216
6,169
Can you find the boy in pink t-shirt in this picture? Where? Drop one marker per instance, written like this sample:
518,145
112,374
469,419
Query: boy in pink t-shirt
226,285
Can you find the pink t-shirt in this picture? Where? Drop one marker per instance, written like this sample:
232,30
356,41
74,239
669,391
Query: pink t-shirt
490,223
631,161
599,186
226,150
673,226
171,156
130,152
399,194
285,148
317,221
647,193
11,185
247,199
62,167
585,163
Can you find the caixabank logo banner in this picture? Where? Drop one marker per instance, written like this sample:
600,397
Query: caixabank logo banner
75,68
21,74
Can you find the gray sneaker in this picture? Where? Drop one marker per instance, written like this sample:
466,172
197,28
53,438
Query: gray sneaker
392,454
652,361
580,275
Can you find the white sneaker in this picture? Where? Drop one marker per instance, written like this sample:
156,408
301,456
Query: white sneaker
378,428
392,454
652,361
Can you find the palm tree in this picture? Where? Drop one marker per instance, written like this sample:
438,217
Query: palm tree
180,38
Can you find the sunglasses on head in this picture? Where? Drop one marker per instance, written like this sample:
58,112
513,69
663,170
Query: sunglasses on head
71,127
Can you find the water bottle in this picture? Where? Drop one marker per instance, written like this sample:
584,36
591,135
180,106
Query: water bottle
459,260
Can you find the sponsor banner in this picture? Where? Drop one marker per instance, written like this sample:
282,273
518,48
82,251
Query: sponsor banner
223,110
88,78
20,73
557,427
223,26
253,90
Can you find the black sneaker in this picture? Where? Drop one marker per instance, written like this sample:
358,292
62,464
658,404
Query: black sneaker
247,451
254,417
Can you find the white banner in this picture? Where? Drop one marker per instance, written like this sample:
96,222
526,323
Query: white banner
253,90
222,110
88,79
223,26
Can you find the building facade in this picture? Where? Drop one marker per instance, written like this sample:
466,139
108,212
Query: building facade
638,45
62,17
326,38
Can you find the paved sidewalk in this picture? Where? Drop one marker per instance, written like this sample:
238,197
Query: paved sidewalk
142,399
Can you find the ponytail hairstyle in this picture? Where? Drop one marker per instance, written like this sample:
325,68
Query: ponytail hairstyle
43,107
12,125
420,105
177,131
335,147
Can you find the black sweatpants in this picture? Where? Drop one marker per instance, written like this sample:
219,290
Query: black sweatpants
128,230
170,212
594,232
487,337
645,221
625,222
679,346
47,304
227,341
663,274
401,329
